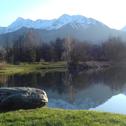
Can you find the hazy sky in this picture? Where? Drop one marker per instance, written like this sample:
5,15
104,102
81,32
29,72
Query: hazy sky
110,12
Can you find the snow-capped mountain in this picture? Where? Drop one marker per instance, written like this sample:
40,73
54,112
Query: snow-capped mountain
77,27
75,21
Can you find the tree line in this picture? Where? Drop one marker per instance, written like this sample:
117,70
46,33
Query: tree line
67,49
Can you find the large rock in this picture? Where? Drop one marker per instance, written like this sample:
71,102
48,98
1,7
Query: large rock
21,98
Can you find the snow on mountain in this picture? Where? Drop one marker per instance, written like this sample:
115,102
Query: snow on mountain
75,21
20,22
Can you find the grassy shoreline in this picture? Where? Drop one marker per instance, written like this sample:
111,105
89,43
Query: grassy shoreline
44,67
23,68
60,117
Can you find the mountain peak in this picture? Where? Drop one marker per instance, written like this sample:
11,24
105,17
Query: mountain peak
19,19
72,17
65,16
75,21
77,18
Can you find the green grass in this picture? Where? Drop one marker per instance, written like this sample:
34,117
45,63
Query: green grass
59,117
23,68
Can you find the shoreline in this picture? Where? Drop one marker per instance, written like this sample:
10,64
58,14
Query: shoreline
25,68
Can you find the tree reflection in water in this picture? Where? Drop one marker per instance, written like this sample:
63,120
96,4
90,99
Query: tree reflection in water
73,91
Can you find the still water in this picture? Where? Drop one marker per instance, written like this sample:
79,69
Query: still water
94,90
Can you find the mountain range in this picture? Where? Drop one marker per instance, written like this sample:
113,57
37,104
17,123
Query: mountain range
75,26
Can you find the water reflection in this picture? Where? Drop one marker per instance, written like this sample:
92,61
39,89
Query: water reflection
84,98
82,91
115,104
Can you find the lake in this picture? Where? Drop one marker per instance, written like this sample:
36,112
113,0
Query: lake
93,90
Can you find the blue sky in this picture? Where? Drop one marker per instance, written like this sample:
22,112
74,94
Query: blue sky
110,12
12,9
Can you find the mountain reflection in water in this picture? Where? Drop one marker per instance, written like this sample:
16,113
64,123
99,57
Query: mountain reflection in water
115,104
87,90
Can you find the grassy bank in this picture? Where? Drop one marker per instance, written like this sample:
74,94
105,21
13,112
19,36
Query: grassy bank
22,68
58,117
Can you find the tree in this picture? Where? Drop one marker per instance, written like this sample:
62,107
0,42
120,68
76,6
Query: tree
115,49
57,48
